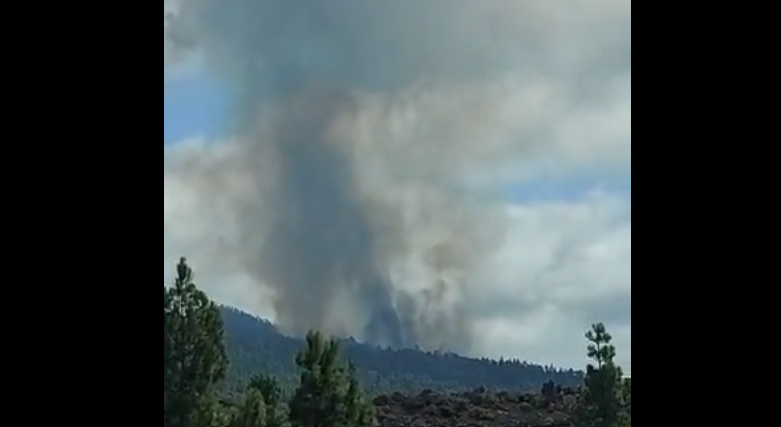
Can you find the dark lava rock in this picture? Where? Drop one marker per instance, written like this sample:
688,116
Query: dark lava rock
476,409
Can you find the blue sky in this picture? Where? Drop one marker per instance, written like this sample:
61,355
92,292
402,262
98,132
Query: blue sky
192,106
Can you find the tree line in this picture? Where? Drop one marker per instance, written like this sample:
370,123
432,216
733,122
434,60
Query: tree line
328,392
256,345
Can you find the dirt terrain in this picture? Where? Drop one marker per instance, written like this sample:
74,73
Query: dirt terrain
475,409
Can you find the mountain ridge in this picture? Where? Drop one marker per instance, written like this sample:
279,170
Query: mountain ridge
256,345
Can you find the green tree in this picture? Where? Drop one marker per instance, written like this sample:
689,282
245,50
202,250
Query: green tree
214,413
626,402
193,351
601,399
328,394
253,412
269,391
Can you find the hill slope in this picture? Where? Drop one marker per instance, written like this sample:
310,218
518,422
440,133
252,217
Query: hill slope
255,345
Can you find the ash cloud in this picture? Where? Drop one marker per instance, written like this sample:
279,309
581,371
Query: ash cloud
367,136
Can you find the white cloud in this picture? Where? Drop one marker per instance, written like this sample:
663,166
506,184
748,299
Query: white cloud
199,230
563,265
559,105
179,61
168,46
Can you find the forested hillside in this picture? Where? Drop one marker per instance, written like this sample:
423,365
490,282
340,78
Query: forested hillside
255,345
277,381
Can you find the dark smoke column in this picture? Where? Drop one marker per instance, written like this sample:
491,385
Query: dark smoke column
321,248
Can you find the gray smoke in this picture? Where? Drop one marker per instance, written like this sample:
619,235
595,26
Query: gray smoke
363,131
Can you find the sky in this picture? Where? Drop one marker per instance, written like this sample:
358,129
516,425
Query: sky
195,105
564,260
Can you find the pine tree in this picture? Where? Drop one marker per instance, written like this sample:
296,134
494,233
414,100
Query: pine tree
253,412
270,392
193,351
358,413
601,405
328,394
626,402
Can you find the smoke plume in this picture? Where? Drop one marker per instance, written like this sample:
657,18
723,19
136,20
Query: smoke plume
368,141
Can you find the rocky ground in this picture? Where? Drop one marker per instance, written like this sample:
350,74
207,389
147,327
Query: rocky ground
476,409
